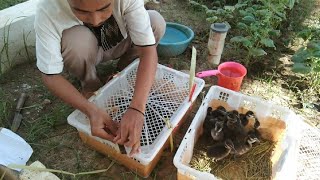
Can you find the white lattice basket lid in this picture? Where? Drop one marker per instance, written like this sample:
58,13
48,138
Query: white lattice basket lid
168,99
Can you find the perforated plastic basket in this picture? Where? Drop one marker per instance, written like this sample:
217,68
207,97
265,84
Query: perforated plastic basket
168,98
309,153
285,167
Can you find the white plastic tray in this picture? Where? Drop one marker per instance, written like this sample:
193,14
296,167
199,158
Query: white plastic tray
285,168
169,98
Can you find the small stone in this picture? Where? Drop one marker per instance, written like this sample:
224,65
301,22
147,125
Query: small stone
46,101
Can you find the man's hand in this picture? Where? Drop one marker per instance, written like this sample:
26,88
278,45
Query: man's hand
129,133
102,124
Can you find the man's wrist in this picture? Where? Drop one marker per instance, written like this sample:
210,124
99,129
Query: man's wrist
90,109
137,110
140,106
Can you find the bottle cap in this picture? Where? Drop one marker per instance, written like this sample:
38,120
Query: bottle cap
219,27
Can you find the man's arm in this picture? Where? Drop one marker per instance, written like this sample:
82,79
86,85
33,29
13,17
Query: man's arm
145,76
132,121
99,119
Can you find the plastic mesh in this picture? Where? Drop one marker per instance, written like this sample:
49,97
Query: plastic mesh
165,97
309,154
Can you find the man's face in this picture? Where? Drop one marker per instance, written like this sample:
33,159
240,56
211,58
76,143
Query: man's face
92,12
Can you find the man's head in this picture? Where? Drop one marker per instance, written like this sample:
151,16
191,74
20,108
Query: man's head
93,12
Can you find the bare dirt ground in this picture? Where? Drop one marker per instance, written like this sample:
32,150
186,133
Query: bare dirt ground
57,145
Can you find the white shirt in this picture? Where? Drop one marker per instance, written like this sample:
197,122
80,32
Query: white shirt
55,16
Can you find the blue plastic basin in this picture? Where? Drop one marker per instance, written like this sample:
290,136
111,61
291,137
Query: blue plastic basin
175,40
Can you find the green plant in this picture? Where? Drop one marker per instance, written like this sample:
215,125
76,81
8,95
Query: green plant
307,58
255,23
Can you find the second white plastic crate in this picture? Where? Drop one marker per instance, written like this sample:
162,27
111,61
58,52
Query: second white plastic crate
286,166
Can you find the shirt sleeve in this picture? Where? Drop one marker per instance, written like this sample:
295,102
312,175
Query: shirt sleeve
48,48
138,23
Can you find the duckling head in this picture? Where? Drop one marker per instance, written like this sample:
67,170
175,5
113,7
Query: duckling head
221,108
249,114
231,119
209,111
216,132
220,111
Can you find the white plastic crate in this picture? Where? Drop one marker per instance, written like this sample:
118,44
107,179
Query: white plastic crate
168,98
309,153
286,166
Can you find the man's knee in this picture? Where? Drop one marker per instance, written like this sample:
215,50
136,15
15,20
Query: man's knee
158,24
79,44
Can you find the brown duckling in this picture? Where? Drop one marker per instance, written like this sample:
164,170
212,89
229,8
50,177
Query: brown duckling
220,150
216,132
241,147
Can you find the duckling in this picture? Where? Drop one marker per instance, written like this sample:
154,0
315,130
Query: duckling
208,124
234,130
209,111
220,111
256,124
216,132
250,115
241,147
220,150
255,133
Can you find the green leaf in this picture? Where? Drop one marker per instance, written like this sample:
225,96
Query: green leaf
301,68
240,5
274,33
194,3
316,69
267,42
281,15
263,12
257,52
237,39
211,12
315,46
241,25
230,16
316,54
291,3
220,11
250,9
249,19
212,19
243,40
205,7
300,56
305,34
229,8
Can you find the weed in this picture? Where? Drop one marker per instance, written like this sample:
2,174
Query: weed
5,107
25,37
45,124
